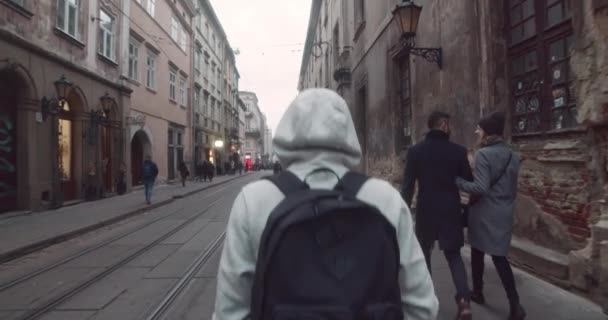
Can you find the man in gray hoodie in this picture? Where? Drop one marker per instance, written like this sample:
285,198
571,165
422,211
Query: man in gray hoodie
316,131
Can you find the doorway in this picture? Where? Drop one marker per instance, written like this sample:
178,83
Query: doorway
140,147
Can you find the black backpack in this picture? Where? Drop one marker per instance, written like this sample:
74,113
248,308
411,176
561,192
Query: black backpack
325,255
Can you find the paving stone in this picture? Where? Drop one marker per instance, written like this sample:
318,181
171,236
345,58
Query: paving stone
44,287
103,292
135,302
154,256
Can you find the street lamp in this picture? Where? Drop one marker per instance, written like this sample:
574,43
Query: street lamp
107,102
97,118
407,15
52,106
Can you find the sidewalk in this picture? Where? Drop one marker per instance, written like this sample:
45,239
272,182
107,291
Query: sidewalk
22,234
541,299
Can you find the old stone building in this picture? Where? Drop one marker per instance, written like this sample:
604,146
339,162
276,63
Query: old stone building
255,126
62,101
159,71
215,89
543,62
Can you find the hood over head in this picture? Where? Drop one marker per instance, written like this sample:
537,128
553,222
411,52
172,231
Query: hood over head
317,130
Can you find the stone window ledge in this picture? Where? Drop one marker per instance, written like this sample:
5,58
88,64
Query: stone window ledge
151,89
133,81
69,37
577,129
110,61
19,9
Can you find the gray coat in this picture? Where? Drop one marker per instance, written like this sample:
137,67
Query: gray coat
491,217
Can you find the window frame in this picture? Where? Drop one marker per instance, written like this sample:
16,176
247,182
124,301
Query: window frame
151,70
183,39
174,30
104,34
151,7
172,84
182,91
66,14
531,83
133,60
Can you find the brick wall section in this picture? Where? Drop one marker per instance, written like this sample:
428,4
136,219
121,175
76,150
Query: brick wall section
557,175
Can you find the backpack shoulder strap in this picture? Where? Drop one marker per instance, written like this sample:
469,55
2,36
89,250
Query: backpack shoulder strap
287,182
351,183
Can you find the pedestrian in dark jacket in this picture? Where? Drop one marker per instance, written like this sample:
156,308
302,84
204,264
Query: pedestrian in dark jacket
210,171
435,163
149,173
490,218
199,171
184,173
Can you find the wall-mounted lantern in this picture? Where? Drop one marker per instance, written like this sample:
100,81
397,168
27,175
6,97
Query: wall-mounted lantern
407,15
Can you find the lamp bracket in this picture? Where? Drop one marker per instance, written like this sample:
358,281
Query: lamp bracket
408,41
429,54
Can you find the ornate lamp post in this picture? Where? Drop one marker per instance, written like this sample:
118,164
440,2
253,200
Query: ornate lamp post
407,15
97,118
52,107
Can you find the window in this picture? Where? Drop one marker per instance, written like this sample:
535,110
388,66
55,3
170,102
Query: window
197,59
151,6
360,10
174,29
106,35
197,100
172,84
67,16
542,87
151,71
133,59
205,105
18,2
182,91
183,41
336,45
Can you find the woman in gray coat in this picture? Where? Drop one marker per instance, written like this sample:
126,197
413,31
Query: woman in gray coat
490,219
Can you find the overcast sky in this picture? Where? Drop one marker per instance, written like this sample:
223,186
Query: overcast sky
270,36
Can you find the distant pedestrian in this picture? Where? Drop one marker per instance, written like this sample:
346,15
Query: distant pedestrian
149,174
435,163
319,241
121,181
184,173
210,171
490,219
277,167
199,171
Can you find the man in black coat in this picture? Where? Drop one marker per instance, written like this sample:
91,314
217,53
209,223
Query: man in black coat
435,163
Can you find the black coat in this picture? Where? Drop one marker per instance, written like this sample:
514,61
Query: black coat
435,163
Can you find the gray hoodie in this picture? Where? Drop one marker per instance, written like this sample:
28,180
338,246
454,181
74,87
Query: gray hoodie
316,131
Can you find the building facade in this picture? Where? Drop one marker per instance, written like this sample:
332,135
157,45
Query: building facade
215,90
241,129
159,72
62,129
253,151
542,62
268,145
